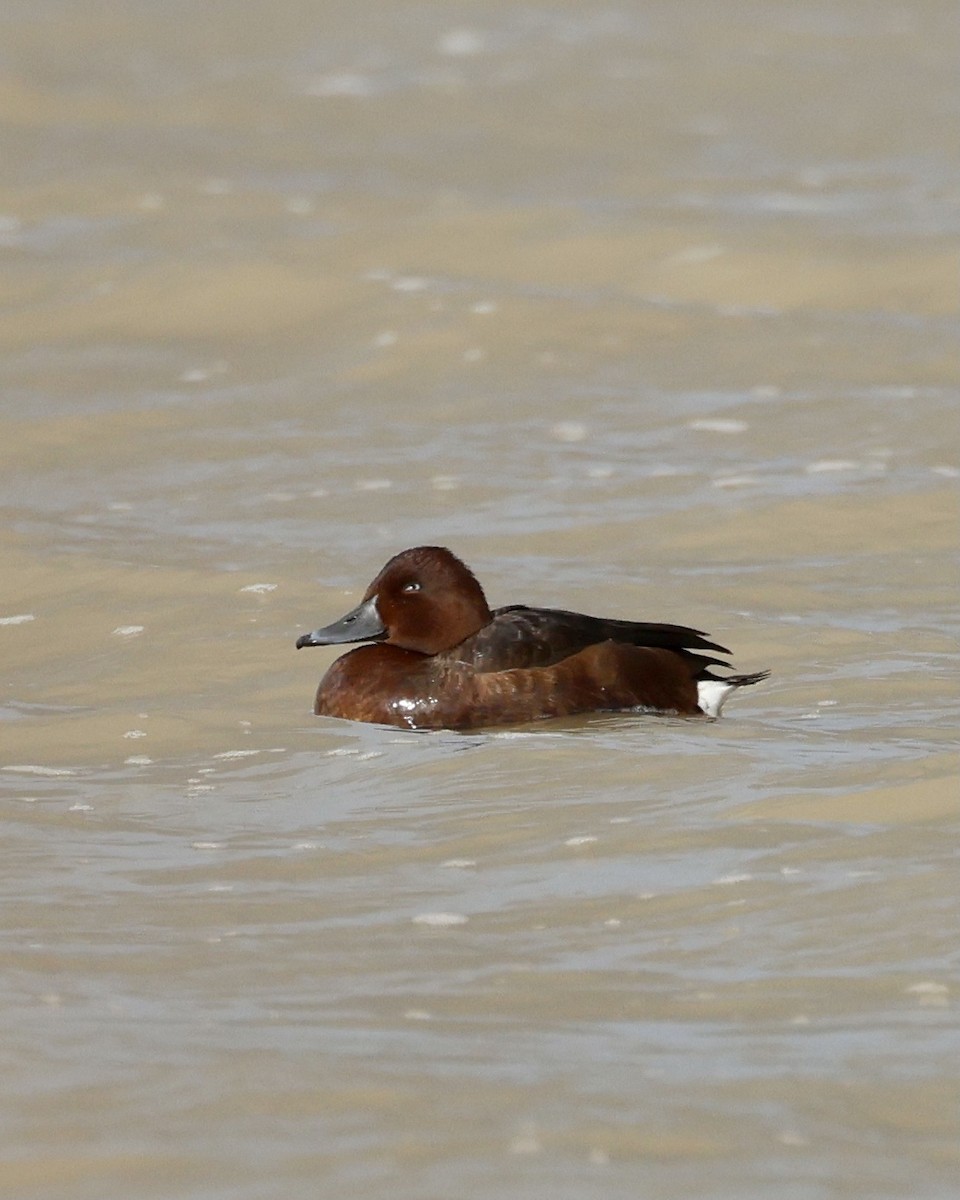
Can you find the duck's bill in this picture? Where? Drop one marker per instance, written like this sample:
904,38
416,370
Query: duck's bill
361,624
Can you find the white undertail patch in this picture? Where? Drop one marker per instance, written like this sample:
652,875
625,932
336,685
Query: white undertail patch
711,694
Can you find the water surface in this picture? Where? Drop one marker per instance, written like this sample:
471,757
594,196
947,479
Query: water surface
648,311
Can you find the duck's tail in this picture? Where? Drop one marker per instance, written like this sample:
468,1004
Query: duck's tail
712,692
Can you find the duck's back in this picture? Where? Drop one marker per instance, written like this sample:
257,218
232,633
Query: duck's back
519,636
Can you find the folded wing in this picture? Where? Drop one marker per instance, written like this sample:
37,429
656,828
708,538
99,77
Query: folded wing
519,636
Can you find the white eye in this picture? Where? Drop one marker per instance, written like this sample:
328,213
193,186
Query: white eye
412,586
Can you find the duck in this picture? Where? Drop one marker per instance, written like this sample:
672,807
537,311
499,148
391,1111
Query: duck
435,656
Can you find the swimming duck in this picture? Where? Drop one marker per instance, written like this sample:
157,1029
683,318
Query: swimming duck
440,659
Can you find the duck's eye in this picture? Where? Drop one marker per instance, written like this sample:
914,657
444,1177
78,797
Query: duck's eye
412,586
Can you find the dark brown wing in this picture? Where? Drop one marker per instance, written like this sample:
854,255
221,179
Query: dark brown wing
538,637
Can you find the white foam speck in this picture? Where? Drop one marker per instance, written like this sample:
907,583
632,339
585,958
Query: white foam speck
207,845
260,588
459,862
569,431
527,1141
580,841
299,206
19,619
718,425
461,43
31,769
80,808
410,283
137,760
728,879
824,465
927,988
613,922
135,733
697,254
342,83
735,481
440,920
127,630
236,754
417,1014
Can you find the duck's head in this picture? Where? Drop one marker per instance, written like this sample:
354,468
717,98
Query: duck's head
425,599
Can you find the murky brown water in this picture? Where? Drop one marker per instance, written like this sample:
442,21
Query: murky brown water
649,311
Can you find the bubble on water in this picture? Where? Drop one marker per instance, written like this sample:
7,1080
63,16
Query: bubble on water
929,993
440,920
736,481
526,1141
462,43
299,206
718,425
569,431
32,769
824,465
341,83
410,283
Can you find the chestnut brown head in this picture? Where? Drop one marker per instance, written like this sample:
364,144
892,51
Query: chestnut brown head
425,599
